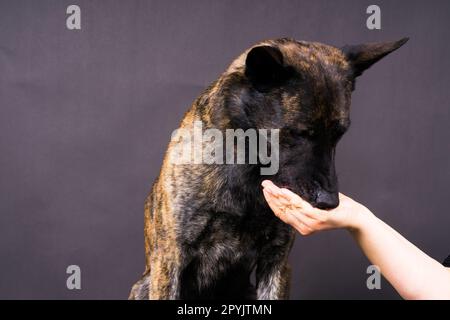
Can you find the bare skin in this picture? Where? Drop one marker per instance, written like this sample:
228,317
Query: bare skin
411,272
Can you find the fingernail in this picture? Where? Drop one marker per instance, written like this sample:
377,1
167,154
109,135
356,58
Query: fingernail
265,183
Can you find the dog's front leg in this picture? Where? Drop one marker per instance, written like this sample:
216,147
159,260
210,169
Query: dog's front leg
158,283
273,273
273,281
164,279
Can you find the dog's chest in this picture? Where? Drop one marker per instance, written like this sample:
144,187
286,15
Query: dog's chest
230,239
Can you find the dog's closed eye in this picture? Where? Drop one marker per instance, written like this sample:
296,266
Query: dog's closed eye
303,133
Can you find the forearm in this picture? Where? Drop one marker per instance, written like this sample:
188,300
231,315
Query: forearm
410,271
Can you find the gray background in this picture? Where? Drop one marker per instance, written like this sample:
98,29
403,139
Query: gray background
85,117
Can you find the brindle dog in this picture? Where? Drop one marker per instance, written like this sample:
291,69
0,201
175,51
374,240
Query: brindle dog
208,229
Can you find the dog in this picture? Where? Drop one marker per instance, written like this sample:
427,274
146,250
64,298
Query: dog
209,233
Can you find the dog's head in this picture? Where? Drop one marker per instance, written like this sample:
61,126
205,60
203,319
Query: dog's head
304,89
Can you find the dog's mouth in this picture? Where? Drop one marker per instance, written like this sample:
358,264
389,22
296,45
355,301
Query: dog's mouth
304,192
312,193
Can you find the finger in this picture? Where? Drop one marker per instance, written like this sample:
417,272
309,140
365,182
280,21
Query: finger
299,225
284,200
274,205
303,219
286,217
271,192
273,189
302,231
317,215
269,184
270,198
273,198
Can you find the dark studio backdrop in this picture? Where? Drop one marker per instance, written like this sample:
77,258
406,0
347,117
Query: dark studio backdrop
85,117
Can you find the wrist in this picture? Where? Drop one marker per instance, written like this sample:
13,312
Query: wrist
360,220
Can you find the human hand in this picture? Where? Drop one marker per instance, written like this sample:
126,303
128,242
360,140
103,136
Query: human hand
292,209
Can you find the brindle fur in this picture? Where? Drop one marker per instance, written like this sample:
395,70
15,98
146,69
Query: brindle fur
207,227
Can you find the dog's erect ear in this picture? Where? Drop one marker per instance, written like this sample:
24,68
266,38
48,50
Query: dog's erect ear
362,56
264,66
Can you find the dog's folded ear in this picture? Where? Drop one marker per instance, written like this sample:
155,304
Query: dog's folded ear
362,56
264,66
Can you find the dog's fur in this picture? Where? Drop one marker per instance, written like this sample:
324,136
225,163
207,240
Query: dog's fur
207,226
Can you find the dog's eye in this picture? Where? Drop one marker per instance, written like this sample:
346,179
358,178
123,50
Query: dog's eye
303,133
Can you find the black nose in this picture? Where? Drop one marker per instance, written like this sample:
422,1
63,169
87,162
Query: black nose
327,200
